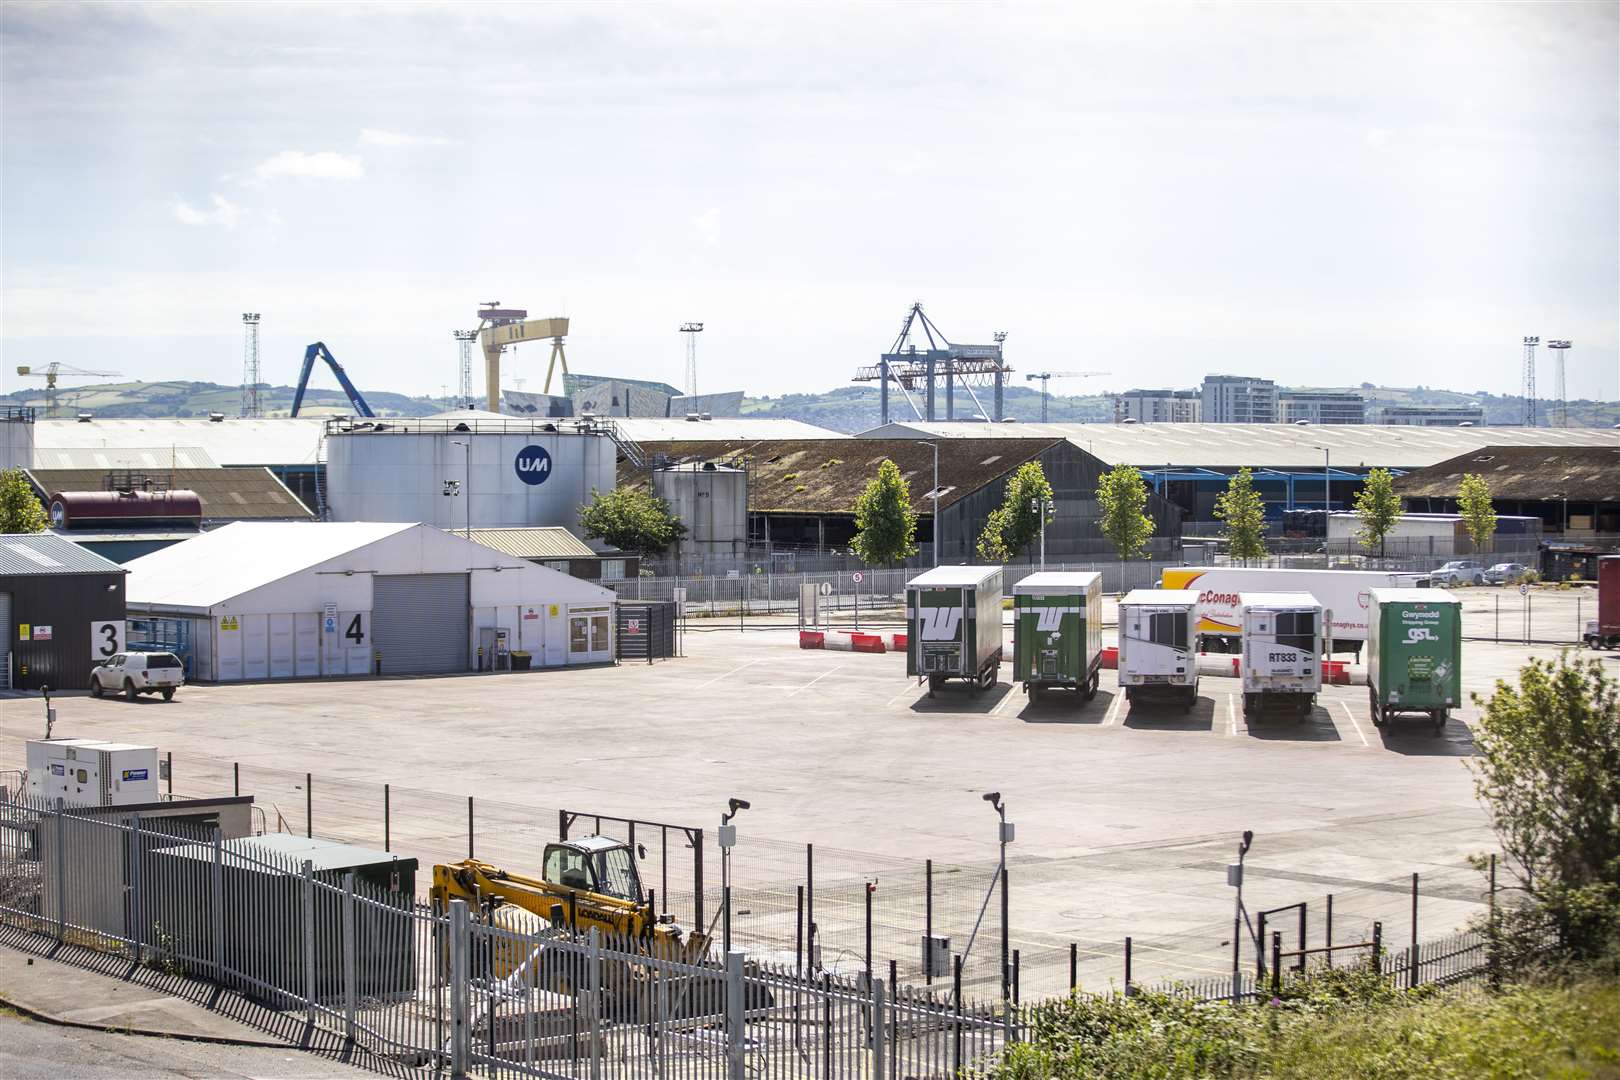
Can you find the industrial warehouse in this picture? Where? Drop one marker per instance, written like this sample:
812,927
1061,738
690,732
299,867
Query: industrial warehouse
288,600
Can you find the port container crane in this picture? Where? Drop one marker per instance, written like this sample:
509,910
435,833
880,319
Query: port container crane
1044,376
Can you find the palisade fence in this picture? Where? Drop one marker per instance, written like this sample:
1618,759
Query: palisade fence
493,993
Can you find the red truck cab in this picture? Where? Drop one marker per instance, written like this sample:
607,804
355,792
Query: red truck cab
1603,632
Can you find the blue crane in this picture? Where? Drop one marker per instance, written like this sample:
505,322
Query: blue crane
319,349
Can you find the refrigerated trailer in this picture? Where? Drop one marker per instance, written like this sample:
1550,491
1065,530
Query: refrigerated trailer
1282,640
1342,592
1157,646
953,623
1603,632
1057,632
1414,657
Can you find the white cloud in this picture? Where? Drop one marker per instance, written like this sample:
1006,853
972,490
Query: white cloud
295,164
223,213
395,140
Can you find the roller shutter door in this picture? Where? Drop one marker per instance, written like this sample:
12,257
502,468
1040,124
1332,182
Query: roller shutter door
5,640
419,623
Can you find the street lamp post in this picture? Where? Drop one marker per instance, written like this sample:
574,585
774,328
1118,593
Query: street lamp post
728,840
1004,837
466,487
1043,507
935,447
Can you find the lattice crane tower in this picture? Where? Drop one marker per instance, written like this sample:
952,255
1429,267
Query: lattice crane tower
251,406
1561,416
691,330
465,339
1530,344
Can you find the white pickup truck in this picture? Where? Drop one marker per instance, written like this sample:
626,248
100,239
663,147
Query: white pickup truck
138,673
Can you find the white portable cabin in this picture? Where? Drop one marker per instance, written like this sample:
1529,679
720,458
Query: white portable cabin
1282,646
1157,653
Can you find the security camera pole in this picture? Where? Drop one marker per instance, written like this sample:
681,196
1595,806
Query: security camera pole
1005,837
1234,878
728,840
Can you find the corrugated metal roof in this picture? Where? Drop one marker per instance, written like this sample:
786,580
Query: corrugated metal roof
655,429
1583,473
226,494
32,554
150,458
534,542
215,566
232,441
1276,446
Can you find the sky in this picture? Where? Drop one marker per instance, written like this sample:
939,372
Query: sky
1316,193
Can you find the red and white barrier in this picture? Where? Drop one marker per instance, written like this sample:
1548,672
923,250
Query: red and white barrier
845,641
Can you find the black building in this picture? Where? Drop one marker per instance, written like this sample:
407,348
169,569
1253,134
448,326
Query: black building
61,612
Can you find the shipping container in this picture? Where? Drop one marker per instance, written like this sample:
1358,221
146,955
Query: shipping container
1057,632
1282,642
953,623
1603,632
1343,593
1414,657
1158,656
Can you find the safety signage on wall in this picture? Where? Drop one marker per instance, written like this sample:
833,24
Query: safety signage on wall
42,633
530,613
632,626
329,619
553,611
229,622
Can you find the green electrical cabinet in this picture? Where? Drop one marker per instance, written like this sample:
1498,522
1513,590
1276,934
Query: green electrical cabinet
1057,632
1414,654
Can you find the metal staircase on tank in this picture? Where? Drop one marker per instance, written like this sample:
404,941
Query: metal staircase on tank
632,451
320,479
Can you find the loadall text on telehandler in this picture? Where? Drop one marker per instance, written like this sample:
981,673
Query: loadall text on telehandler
591,882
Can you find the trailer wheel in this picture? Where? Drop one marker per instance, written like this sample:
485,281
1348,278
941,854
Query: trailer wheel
1248,705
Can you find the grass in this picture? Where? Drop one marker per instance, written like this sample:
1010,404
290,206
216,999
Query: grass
1555,1031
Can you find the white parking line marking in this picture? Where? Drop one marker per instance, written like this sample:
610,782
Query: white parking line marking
1348,715
912,689
817,679
1012,692
1113,709
728,674
1231,715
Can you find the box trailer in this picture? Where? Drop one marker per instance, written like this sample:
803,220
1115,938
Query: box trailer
1057,632
953,625
1603,632
1414,657
1158,655
1343,593
1282,642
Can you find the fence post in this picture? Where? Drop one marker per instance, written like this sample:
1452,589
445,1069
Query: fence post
216,905
1329,939
470,829
309,804
1276,962
593,980
351,991
880,1038
928,918
309,941
1412,966
734,1014
1074,965
697,877
1490,959
387,822
236,778
1378,948
810,905
61,870
1414,909
459,987
136,920
169,760
1127,967
956,994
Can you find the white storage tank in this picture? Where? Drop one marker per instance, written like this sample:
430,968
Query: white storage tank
503,473
712,502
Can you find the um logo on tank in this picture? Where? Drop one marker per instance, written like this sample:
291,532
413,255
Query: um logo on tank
533,465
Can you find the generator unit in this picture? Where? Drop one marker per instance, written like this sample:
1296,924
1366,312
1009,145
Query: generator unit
1157,648
1057,632
1282,642
1414,658
953,623
90,772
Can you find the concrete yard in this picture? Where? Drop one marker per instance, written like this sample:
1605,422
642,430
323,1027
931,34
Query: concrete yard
1125,816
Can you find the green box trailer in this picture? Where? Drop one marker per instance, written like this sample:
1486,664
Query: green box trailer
1057,632
1414,654
953,625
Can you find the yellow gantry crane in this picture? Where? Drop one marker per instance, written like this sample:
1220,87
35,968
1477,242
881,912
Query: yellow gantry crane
49,373
499,327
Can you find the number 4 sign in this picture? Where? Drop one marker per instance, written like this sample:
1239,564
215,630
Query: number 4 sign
106,639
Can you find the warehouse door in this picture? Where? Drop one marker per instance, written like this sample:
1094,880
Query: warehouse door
419,623
5,641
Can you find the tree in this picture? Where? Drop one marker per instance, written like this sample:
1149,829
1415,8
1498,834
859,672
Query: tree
631,519
1244,512
1122,496
1378,507
1547,766
20,511
1016,523
1474,504
885,523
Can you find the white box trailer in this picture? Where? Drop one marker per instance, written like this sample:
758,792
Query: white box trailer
1345,594
91,772
1157,645
1282,645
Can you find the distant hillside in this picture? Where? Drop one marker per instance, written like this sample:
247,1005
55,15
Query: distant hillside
849,409
202,398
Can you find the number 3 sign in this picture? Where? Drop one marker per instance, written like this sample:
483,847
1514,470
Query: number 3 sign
106,639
